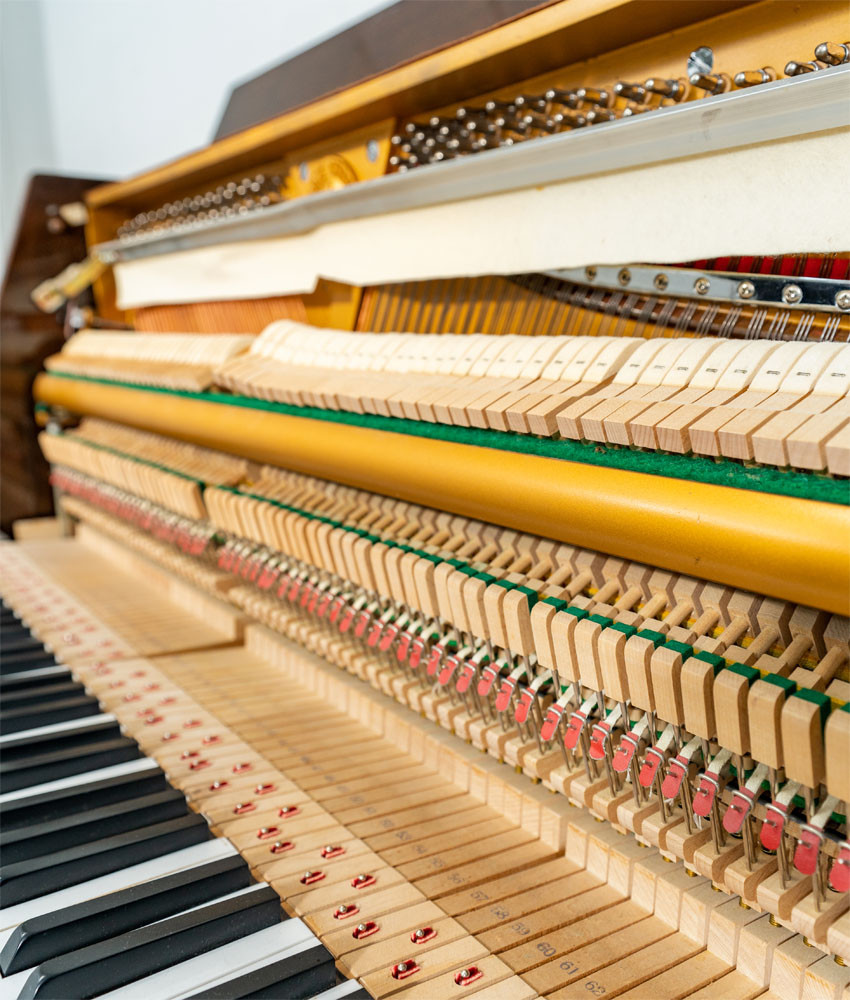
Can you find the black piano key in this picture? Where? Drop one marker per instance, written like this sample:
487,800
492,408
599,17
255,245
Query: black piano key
298,977
38,807
19,642
61,763
33,878
93,824
111,964
26,696
16,720
32,660
83,924
15,634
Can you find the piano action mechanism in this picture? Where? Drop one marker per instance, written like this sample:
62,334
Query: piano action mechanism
477,569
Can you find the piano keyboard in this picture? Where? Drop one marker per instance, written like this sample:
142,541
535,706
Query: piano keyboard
111,885
433,824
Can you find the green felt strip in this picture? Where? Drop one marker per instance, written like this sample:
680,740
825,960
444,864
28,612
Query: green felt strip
694,468
785,683
750,673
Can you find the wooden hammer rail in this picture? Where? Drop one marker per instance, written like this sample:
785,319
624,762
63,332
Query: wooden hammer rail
173,360
477,866
764,400
747,868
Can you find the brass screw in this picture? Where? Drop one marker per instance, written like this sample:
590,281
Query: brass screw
661,281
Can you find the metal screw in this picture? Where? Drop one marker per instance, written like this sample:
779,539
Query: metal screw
361,927
746,290
702,286
842,299
308,874
590,273
420,933
372,150
791,294
661,281
701,60
402,967
465,974
624,276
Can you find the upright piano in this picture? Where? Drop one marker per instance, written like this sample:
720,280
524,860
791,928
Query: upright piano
457,596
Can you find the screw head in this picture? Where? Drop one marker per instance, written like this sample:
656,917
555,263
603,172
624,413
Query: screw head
420,933
465,974
372,150
361,927
590,273
746,290
661,281
402,967
624,276
791,294
842,299
701,60
702,286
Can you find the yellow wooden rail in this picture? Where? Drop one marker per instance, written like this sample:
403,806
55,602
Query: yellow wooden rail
785,547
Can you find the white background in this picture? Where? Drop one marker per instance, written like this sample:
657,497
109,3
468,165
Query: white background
107,88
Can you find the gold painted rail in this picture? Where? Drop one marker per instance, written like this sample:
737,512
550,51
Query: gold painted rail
785,547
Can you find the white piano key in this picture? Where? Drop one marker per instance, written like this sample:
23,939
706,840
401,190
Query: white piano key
10,986
186,978
89,721
140,767
339,991
189,857
308,941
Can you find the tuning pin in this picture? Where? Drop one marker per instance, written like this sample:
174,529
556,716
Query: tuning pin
541,124
833,53
754,77
598,115
798,69
565,98
568,119
631,91
711,83
470,112
591,95
673,90
530,102
635,109
491,106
